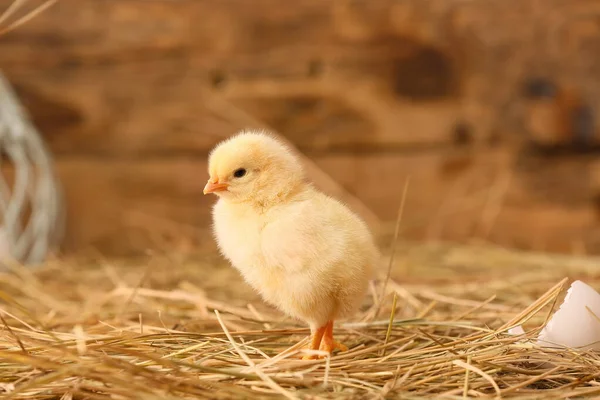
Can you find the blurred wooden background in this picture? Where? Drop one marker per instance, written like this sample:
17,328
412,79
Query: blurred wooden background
488,106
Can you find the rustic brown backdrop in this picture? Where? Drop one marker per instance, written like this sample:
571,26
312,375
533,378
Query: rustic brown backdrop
487,105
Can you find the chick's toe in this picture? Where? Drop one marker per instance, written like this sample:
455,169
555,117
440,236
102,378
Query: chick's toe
328,344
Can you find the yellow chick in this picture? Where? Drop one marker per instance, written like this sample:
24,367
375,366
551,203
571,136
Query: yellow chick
304,252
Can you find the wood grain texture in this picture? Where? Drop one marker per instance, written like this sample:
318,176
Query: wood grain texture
129,205
387,69
483,196
488,105
103,74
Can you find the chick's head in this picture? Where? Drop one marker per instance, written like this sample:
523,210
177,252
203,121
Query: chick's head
254,167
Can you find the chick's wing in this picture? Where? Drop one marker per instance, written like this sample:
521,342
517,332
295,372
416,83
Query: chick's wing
311,234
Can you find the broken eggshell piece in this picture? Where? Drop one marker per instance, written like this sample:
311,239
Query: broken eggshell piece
517,330
576,324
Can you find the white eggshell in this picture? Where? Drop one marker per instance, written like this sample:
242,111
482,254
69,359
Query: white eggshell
573,325
516,330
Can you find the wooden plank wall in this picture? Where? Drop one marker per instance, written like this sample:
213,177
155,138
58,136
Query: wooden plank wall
486,105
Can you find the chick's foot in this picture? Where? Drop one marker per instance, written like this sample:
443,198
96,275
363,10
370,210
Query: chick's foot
315,342
328,344
323,340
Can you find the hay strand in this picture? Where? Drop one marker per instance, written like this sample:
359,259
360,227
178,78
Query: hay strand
187,331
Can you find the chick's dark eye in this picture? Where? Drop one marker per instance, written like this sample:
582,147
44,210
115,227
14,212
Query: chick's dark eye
239,173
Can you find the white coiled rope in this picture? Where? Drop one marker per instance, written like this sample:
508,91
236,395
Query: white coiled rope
31,211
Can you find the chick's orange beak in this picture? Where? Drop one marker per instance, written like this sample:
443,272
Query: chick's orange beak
212,187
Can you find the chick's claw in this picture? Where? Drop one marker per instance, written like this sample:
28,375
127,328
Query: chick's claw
333,345
315,342
323,340
328,345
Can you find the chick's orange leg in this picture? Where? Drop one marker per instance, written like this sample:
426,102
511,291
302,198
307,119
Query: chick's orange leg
327,343
315,342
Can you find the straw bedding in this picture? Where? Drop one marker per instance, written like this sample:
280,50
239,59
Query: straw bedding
171,328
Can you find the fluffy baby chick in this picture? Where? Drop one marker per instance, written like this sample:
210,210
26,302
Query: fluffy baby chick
303,251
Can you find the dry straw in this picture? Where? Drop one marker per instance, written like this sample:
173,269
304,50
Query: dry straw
169,329
6,25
